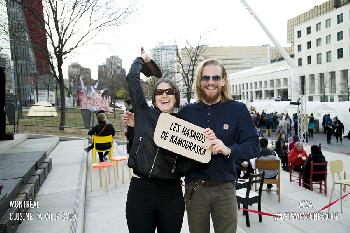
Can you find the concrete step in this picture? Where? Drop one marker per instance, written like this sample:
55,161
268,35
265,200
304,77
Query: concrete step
9,144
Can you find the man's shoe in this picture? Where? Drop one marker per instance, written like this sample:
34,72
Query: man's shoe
86,150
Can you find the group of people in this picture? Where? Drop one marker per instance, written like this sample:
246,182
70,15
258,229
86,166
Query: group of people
155,199
331,127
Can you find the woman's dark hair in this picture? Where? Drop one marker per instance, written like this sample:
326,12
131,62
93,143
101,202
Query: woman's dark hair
177,93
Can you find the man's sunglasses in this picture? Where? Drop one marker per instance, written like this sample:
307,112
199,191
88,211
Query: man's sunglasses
169,91
206,78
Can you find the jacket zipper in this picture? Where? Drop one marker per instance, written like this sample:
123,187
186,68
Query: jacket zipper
137,150
154,161
174,166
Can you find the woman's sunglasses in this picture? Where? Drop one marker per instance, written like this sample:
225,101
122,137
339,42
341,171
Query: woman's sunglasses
206,78
169,91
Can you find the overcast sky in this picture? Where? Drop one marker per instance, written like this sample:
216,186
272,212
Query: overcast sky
219,22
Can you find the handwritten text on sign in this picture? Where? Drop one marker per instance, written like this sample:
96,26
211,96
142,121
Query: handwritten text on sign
181,137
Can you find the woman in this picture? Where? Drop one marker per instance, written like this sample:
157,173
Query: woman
316,157
155,198
102,129
297,157
282,149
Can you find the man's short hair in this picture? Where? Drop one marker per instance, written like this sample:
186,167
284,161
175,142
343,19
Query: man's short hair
263,142
101,117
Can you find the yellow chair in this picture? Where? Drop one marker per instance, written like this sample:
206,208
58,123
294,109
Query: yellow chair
337,167
262,165
102,139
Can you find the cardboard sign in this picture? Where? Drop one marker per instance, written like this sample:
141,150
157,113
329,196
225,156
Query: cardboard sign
181,137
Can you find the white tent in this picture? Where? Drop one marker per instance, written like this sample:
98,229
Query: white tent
42,109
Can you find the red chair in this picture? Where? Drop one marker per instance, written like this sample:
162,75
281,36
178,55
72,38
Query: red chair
318,174
104,166
120,159
294,176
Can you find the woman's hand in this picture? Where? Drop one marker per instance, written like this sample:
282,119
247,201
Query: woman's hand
128,119
145,56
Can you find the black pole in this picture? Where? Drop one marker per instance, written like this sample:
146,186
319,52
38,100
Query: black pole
3,135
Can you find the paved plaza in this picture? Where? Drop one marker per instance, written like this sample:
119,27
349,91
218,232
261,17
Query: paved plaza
67,188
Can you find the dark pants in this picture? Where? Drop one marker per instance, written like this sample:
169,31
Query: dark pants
311,133
329,136
152,204
339,135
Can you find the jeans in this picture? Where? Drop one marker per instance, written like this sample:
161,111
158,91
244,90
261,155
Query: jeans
151,204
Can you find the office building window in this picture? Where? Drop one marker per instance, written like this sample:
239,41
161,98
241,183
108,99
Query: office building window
299,34
312,83
242,86
272,83
322,84
265,84
318,27
308,60
285,82
300,61
260,84
332,84
319,58
278,82
251,85
299,47
340,18
308,45
302,85
340,53
318,42
255,85
339,35
246,86
328,23
328,39
329,56
308,30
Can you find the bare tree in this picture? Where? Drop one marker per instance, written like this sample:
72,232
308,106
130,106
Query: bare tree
188,59
69,25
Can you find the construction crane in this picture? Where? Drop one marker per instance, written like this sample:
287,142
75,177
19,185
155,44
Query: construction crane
300,102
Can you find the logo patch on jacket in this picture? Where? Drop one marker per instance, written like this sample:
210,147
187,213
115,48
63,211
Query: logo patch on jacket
225,126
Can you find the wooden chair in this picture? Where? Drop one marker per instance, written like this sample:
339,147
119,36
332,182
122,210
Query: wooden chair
318,174
336,167
102,166
247,197
102,139
261,165
120,159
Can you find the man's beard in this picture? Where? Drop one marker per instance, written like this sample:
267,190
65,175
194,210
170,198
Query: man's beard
212,98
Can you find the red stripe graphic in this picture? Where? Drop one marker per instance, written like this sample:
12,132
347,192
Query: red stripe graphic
259,212
333,202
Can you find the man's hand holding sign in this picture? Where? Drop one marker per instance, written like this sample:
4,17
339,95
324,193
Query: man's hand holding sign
184,138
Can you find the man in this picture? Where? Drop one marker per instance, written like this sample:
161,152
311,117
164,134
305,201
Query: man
210,188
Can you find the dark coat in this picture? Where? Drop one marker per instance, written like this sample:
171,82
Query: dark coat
316,158
146,158
102,129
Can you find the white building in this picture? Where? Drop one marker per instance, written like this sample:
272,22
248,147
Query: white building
322,51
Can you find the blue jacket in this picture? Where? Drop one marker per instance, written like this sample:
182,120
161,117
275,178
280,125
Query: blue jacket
234,126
